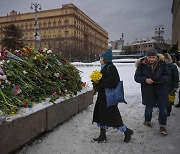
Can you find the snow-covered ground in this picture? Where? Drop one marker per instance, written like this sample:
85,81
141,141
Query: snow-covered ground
75,135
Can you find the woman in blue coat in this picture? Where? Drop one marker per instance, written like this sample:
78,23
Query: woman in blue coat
108,116
153,75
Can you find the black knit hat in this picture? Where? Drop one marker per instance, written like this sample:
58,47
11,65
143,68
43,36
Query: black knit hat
151,52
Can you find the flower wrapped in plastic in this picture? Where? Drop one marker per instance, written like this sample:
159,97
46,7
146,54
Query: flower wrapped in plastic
95,77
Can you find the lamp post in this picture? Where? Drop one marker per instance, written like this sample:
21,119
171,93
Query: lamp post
36,8
159,31
122,41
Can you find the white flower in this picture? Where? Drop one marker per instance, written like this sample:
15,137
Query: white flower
2,62
8,82
56,75
46,67
3,77
45,49
24,72
7,61
49,51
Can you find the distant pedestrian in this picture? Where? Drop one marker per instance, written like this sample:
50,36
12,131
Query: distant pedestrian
178,64
108,116
173,84
153,74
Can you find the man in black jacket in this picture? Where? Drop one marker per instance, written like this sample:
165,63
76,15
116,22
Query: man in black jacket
153,74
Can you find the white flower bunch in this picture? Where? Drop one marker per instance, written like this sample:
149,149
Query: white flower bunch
3,77
24,72
49,51
56,75
2,62
45,49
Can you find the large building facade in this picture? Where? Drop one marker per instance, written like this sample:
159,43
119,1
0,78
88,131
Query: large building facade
65,29
176,23
143,45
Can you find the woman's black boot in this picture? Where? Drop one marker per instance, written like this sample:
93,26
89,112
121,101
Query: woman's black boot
102,136
128,134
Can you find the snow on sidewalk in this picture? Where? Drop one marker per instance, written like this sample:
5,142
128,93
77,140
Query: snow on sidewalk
75,135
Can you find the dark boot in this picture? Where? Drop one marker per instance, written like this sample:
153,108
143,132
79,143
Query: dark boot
163,131
102,136
128,134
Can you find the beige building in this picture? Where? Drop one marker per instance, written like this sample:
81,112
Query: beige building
65,29
143,45
176,23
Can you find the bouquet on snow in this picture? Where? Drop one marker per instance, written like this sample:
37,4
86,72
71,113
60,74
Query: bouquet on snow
95,77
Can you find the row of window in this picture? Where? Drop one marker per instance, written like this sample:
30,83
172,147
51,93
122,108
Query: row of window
141,46
49,24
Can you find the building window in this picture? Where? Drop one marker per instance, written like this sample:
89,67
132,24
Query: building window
66,33
26,26
54,23
44,24
40,25
22,26
66,21
59,23
30,25
49,24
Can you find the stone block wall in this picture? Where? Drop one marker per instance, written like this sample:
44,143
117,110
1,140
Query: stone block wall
17,133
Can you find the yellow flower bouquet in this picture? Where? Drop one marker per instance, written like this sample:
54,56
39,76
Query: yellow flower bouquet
171,98
95,77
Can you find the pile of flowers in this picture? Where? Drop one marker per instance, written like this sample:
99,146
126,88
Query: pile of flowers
29,76
95,77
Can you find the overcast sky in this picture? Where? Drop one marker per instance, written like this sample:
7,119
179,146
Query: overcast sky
133,18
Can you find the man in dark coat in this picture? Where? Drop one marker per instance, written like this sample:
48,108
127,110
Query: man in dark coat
108,116
153,74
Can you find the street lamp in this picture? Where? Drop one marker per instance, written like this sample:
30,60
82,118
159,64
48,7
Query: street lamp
122,41
36,7
159,31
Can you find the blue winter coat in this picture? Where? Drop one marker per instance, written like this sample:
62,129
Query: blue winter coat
155,94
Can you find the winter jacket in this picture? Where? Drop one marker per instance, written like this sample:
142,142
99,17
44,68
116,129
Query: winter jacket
174,74
107,116
173,84
155,94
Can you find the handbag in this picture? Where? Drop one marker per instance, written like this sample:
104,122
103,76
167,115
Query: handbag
115,95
